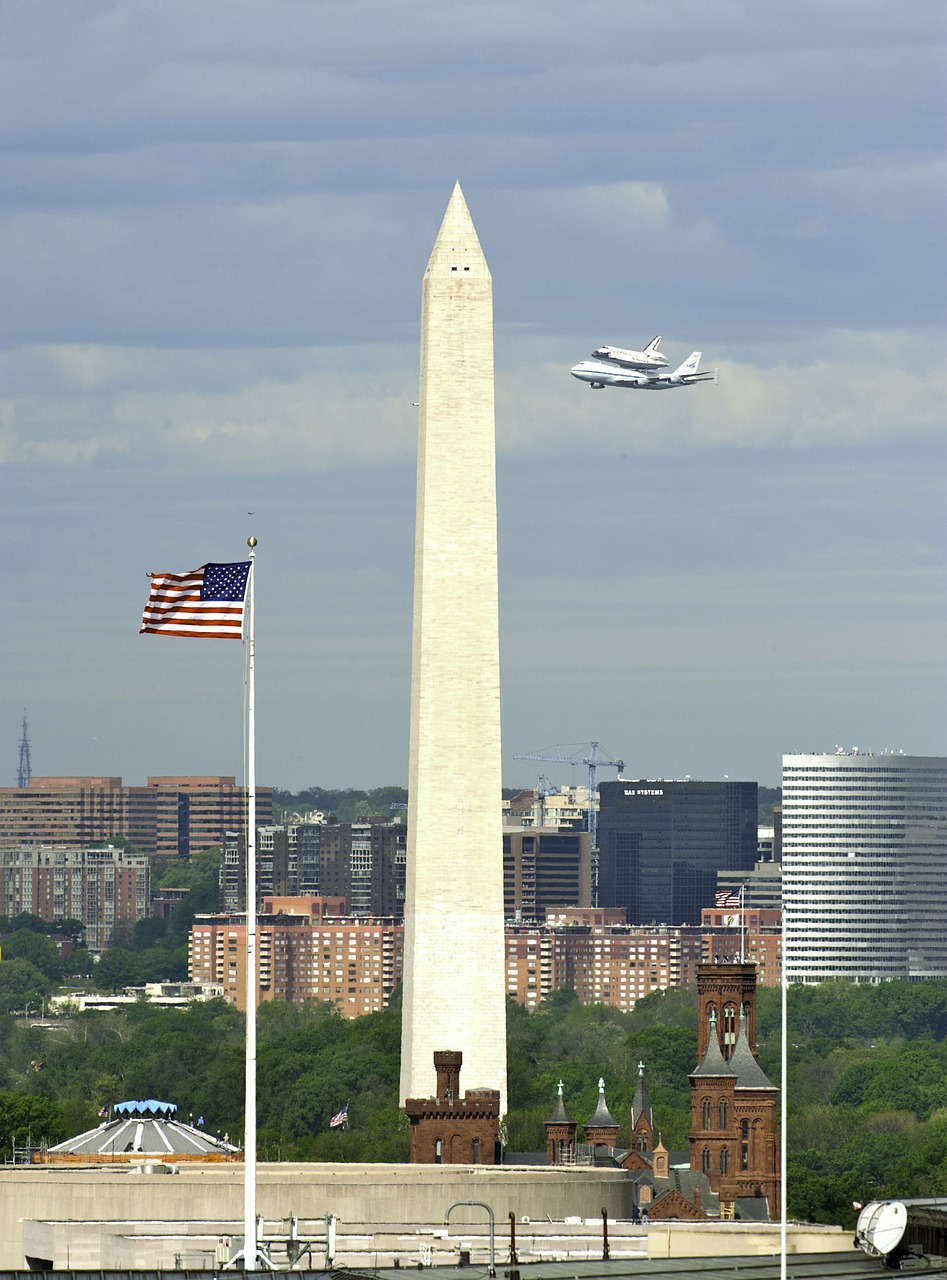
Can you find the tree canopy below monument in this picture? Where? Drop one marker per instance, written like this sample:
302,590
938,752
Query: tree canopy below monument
867,1102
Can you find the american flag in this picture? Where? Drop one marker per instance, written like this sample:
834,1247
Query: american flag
726,899
340,1118
207,603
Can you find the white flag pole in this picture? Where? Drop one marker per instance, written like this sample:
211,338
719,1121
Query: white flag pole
784,1100
249,1139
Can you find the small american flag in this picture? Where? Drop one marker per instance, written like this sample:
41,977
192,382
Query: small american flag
340,1118
207,603
726,899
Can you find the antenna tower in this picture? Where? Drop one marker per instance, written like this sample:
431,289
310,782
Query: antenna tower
24,772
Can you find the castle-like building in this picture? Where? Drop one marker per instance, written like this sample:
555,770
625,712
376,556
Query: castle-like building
731,1166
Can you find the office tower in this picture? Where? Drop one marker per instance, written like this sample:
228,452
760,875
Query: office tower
545,868
173,817
662,843
454,997
864,866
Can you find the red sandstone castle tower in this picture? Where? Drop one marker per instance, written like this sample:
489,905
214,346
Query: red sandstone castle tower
734,1136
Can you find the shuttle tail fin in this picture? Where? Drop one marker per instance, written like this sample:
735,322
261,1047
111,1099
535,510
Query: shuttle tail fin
652,348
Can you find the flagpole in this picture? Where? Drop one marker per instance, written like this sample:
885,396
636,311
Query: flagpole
249,1139
784,1104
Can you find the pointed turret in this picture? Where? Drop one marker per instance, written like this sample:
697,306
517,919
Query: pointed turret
560,1115
712,1063
560,1134
749,1073
641,1129
601,1129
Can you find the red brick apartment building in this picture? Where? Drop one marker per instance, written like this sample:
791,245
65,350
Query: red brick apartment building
103,888
308,950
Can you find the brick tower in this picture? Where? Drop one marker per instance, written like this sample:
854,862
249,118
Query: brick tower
734,1135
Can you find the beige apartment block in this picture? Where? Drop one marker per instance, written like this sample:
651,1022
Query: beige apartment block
454,991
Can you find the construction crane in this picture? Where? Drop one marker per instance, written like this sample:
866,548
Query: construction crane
594,761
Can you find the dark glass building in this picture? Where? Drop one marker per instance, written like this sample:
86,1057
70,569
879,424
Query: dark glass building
661,845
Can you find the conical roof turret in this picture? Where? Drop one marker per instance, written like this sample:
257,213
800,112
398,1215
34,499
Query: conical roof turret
602,1117
560,1115
749,1073
713,1063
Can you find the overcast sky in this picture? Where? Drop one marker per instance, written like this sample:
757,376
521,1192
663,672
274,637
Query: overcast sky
215,219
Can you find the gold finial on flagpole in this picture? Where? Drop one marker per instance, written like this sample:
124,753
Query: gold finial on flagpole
251,542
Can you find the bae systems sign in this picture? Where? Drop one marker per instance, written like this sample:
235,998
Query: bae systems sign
643,791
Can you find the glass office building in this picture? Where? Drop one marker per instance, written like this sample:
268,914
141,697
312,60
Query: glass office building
662,843
864,866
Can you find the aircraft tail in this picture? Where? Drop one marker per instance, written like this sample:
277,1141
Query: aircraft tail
652,348
689,365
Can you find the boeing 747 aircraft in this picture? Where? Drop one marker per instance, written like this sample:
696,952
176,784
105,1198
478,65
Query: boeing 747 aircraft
650,358
599,374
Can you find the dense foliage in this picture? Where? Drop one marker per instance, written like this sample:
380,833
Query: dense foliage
867,1076
348,805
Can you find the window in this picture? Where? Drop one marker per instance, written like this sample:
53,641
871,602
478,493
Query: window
475,1155
705,1160
706,1114
724,1114
724,1160
438,1151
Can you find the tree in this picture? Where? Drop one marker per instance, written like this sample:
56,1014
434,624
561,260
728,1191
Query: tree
40,951
22,986
27,1118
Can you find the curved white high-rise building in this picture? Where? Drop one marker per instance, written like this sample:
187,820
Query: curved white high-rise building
864,866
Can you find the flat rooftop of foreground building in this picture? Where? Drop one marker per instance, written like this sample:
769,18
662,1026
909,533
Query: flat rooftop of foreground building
386,1214
852,1265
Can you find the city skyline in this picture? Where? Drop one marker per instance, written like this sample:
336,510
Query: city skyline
212,233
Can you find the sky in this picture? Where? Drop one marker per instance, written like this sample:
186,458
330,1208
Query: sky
214,221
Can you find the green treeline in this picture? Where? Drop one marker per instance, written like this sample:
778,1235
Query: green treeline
867,1075
347,805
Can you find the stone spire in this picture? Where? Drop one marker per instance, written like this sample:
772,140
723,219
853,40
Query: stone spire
641,1126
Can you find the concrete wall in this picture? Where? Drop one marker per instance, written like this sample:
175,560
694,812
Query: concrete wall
356,1193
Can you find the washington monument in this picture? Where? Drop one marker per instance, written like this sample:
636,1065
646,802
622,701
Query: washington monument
454,989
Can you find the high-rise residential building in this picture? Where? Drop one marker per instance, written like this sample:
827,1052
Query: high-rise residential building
545,867
454,998
308,950
864,866
753,934
103,888
605,963
661,844
364,863
173,817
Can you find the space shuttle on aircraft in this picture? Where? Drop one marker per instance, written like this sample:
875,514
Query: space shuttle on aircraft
650,358
604,373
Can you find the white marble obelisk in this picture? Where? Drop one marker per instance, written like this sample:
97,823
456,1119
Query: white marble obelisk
454,989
